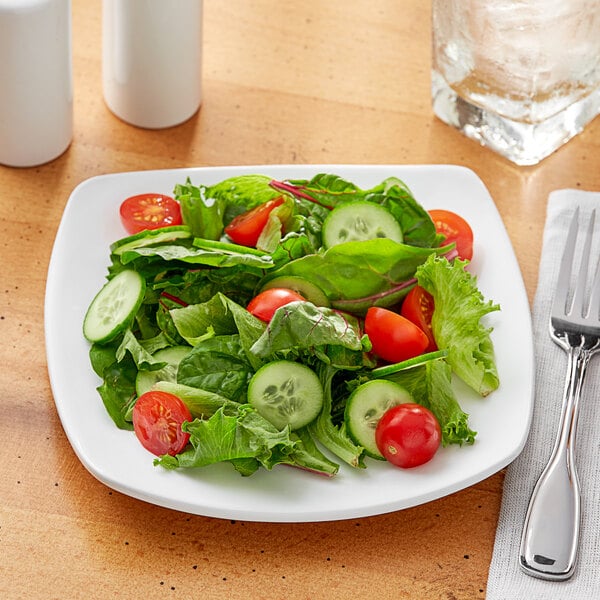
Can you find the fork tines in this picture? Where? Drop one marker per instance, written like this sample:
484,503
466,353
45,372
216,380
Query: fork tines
574,308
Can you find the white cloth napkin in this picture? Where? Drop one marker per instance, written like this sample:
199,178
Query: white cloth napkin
506,580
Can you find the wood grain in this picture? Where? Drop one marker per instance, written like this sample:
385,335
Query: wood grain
284,82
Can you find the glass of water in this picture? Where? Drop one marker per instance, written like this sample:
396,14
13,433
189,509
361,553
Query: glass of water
522,77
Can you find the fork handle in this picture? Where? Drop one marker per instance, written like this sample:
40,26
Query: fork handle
551,531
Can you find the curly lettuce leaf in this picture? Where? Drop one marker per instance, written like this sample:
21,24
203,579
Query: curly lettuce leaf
232,435
430,384
456,321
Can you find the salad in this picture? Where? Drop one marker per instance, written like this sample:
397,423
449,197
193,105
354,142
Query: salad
302,322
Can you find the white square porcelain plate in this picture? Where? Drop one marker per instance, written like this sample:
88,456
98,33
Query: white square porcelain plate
77,271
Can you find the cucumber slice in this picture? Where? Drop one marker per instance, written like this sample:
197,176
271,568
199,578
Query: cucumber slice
286,393
366,406
359,221
149,237
173,355
114,307
302,286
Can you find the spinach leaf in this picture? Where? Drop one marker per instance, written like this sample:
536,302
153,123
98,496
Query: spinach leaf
103,356
220,315
325,189
329,191
118,391
204,252
356,275
217,365
302,325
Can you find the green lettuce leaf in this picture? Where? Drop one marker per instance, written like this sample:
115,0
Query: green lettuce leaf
230,435
334,437
203,217
142,357
201,403
221,316
241,193
306,455
430,384
459,308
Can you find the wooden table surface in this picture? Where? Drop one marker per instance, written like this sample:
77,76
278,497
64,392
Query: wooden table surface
284,82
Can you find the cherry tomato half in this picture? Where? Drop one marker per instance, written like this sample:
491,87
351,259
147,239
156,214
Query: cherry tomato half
394,338
157,420
149,211
408,435
456,229
264,305
245,229
417,307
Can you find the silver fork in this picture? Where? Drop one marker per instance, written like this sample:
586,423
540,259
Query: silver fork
551,531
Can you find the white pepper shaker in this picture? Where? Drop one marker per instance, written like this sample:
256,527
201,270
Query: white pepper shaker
36,81
152,60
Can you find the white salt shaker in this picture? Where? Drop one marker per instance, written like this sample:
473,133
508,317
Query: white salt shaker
152,60
36,81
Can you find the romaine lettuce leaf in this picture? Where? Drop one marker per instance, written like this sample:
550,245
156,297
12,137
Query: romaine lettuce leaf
334,437
204,217
241,193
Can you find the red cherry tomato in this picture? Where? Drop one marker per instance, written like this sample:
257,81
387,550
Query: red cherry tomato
408,435
394,338
264,305
245,229
417,307
157,420
456,229
149,211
